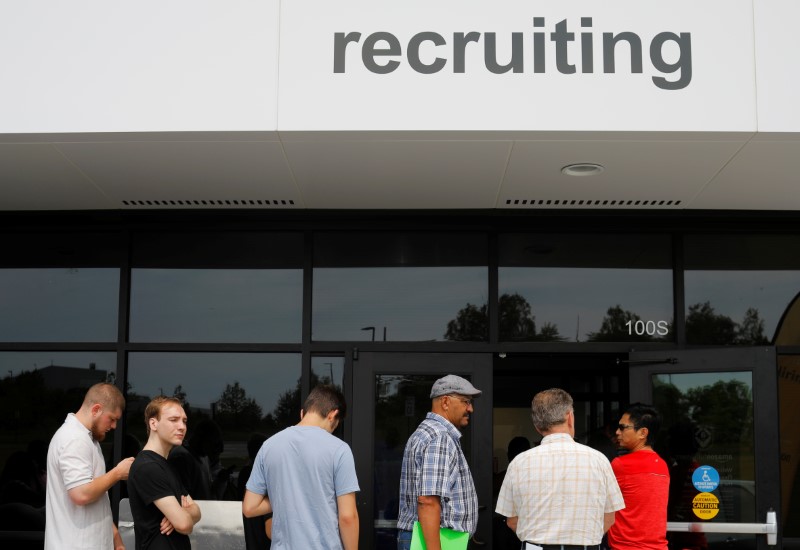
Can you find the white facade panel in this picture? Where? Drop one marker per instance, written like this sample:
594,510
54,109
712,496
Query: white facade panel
144,65
422,65
778,65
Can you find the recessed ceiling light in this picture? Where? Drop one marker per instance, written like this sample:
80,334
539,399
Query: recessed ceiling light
582,169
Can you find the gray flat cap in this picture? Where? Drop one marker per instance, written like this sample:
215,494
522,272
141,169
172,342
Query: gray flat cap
453,384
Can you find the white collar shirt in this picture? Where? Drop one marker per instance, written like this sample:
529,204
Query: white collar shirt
559,491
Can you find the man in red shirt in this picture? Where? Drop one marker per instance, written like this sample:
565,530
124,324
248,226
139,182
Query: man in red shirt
643,477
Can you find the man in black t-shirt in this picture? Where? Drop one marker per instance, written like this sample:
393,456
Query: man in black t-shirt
163,513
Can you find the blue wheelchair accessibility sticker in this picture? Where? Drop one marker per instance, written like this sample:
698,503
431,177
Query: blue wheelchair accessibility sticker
705,479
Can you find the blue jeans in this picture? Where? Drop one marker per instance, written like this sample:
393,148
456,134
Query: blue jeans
403,539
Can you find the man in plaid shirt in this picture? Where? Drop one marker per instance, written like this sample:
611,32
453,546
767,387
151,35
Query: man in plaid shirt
436,485
561,495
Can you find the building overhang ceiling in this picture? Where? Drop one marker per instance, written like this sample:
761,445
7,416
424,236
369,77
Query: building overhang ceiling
398,170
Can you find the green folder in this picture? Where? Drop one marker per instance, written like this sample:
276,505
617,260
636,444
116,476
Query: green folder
450,540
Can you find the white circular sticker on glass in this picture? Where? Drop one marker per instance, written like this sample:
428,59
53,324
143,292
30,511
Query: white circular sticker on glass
705,479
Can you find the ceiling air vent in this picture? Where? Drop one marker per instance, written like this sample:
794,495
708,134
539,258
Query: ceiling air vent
592,203
210,203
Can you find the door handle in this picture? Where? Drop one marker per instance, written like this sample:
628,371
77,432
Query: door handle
770,528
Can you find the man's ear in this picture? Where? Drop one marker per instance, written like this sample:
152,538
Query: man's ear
96,409
333,415
302,414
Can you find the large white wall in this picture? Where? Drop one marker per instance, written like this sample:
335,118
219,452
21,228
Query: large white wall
778,65
267,65
138,65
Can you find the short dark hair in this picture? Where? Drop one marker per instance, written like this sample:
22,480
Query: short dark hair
325,398
107,395
645,416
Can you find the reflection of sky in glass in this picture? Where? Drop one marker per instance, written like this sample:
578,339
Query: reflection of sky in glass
59,305
731,293
561,295
17,362
264,376
692,380
413,303
216,305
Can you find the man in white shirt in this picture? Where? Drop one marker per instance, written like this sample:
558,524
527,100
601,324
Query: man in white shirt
77,505
560,494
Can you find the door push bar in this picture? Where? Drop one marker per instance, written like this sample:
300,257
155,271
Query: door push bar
770,528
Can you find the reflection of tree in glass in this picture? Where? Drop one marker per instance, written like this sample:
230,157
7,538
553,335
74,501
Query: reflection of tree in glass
620,325
751,331
235,410
705,326
471,324
671,404
136,403
28,406
725,405
517,322
178,393
716,418
287,411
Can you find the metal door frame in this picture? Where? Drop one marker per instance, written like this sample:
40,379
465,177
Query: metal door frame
762,363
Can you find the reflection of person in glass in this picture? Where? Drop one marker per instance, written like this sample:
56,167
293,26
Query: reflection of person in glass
197,462
643,478
78,508
164,514
559,479
19,481
256,536
436,486
682,447
306,476
503,537
22,489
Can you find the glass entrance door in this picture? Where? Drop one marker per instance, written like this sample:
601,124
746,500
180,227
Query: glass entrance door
391,397
719,434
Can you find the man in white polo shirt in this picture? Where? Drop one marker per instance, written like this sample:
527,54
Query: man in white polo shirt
77,505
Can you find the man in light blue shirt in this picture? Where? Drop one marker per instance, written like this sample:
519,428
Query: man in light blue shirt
436,486
306,477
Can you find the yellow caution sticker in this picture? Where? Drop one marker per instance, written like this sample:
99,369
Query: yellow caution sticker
705,505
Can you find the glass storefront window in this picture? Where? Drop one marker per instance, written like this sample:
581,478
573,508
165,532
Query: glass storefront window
707,420
738,287
37,392
328,370
217,287
59,304
216,305
230,398
400,287
585,288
